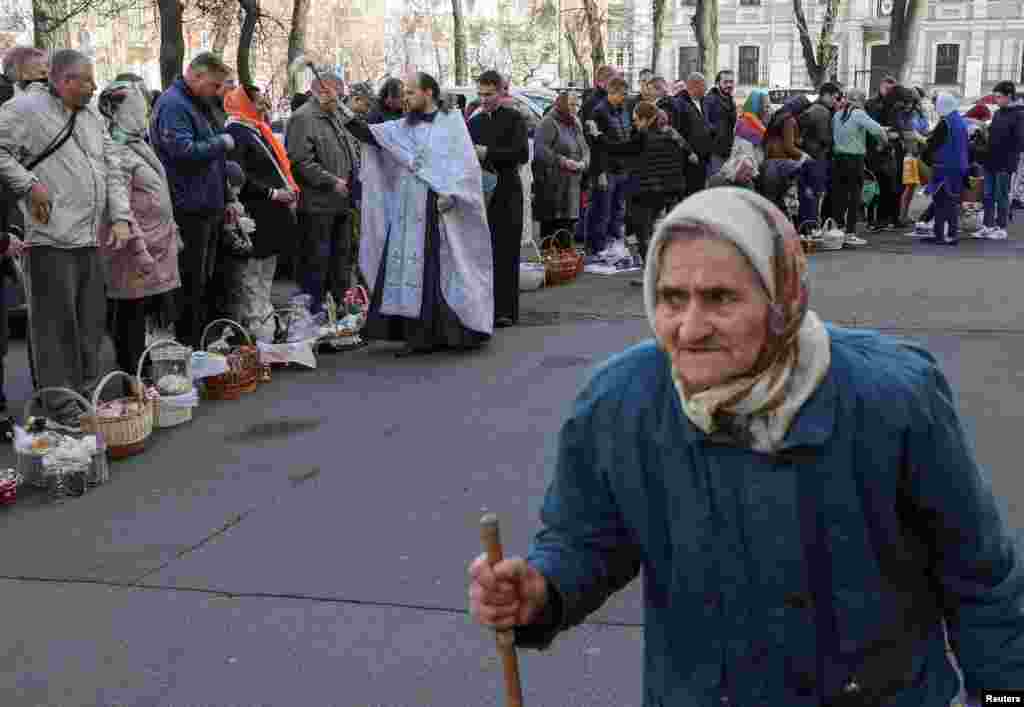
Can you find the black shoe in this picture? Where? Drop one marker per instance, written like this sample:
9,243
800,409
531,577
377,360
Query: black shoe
950,241
6,428
876,228
504,322
932,239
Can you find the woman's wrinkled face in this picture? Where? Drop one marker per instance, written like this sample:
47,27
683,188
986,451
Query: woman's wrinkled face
711,312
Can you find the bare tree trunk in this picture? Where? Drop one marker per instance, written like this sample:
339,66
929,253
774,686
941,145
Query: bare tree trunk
903,30
172,40
818,58
658,27
593,17
705,29
251,9
297,40
223,27
49,24
459,43
574,48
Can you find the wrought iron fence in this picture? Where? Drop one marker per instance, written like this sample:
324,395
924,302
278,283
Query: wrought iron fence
994,73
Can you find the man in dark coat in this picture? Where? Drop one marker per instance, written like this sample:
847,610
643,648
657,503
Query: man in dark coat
692,124
324,167
599,93
816,131
720,111
610,126
500,137
193,152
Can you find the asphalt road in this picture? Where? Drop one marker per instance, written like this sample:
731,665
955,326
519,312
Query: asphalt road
307,545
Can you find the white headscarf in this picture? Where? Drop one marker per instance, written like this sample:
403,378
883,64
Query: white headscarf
945,104
763,404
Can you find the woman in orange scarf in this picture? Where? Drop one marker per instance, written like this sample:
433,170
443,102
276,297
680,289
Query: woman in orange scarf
270,196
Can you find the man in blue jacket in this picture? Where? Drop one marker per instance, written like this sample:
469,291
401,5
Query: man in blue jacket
1006,140
194,155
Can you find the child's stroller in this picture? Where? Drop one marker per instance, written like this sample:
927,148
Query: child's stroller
870,197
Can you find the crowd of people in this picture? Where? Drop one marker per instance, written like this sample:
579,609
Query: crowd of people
145,213
840,155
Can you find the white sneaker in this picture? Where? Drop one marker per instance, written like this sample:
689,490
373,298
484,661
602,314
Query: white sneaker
854,241
924,226
982,232
996,234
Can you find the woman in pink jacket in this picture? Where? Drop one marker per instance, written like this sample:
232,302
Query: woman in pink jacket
142,277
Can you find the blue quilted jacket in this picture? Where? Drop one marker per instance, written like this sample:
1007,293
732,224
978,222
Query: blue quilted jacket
824,572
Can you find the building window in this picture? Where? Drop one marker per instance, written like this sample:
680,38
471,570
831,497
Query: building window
947,64
689,61
136,26
750,60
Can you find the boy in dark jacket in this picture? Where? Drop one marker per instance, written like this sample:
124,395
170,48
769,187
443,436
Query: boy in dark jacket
1005,141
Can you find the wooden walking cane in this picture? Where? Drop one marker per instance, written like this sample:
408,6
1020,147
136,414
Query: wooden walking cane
491,539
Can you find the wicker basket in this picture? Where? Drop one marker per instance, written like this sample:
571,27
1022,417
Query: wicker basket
561,265
165,415
125,435
30,466
244,367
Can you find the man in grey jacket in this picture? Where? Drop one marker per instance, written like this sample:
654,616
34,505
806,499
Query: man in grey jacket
325,165
65,198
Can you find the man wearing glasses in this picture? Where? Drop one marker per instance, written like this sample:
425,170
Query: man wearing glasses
55,157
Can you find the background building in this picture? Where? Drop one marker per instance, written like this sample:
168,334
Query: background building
964,46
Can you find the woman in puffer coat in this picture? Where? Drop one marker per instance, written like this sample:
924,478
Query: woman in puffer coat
657,175
142,277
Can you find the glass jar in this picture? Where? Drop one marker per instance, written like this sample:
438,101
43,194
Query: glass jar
172,369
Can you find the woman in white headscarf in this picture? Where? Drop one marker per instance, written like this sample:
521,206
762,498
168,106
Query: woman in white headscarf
143,276
947,147
807,513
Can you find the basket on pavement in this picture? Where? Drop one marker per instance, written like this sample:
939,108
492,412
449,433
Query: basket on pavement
561,265
172,374
244,367
125,423
30,466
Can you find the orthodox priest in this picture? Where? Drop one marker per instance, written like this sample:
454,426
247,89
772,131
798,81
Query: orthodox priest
425,249
500,139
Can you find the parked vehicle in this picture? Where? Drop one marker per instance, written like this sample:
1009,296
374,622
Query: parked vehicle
529,102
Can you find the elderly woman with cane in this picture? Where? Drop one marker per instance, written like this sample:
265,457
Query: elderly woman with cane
807,512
